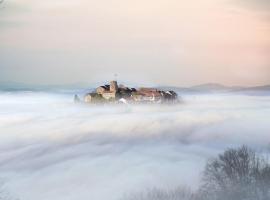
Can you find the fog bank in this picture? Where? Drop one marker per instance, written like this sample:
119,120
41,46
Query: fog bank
52,149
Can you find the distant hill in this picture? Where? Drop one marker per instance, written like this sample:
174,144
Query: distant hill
215,87
203,88
219,88
257,88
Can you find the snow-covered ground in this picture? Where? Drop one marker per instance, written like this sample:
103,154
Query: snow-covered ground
53,149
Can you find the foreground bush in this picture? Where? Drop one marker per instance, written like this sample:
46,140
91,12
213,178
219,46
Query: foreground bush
237,174
158,194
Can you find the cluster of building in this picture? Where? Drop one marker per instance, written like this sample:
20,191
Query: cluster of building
121,93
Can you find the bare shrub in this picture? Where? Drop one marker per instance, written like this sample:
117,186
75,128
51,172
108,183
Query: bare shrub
180,193
237,174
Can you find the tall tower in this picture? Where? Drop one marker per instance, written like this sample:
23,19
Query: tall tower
113,86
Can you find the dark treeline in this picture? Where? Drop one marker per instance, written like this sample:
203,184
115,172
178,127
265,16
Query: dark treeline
236,174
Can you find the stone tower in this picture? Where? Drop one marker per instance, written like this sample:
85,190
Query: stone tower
113,86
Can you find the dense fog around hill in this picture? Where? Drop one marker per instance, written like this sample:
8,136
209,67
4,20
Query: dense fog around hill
51,148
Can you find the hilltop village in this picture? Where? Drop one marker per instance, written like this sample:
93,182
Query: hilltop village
122,94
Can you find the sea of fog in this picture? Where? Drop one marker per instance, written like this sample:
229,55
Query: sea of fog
53,149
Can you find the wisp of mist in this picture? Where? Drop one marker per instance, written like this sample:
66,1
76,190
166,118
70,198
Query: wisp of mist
51,148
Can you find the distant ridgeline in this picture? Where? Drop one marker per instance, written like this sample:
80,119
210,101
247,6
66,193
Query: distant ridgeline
122,94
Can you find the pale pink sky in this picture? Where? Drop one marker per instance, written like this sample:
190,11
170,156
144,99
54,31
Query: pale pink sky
168,42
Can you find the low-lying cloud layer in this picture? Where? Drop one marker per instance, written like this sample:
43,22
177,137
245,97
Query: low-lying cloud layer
53,149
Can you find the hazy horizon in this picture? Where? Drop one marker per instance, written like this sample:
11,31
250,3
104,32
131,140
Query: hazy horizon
93,85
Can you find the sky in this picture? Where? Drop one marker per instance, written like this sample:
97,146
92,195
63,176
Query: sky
153,42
